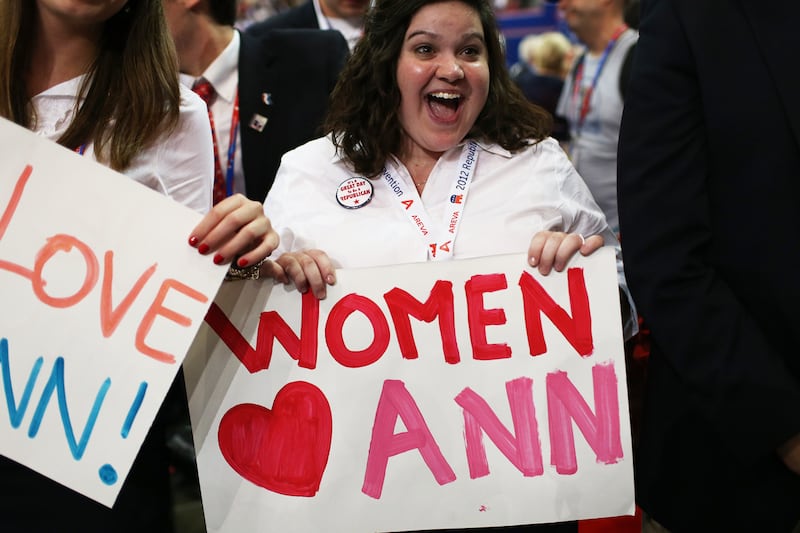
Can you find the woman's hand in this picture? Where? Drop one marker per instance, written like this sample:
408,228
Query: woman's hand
235,228
306,269
553,249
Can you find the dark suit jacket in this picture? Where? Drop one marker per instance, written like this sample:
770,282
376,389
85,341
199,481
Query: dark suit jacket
302,16
709,205
295,71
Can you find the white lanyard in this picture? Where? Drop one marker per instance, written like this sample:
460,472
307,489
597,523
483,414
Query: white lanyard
439,238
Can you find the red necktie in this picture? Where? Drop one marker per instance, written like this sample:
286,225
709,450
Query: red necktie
204,89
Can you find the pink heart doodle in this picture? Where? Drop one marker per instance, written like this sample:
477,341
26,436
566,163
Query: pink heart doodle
284,450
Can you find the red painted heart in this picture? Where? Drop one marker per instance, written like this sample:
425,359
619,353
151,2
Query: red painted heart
284,450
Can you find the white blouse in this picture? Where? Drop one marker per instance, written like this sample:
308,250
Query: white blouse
180,164
511,197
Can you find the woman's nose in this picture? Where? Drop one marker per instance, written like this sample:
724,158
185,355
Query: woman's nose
450,69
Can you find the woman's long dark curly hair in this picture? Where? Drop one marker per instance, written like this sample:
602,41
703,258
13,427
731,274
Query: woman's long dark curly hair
363,115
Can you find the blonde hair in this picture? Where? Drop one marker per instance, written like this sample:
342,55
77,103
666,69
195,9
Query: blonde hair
545,52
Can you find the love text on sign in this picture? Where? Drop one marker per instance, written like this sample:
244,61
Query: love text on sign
102,298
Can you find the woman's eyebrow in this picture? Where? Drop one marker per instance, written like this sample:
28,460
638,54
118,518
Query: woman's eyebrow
434,35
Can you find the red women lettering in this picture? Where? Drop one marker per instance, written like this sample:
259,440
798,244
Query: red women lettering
439,305
271,326
335,324
576,329
480,317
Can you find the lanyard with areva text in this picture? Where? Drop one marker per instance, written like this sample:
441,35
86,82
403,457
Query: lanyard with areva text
440,238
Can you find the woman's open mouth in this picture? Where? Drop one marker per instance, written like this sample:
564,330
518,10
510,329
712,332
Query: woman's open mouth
443,105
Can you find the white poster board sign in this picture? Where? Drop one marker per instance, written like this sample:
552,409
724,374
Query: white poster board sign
433,395
102,297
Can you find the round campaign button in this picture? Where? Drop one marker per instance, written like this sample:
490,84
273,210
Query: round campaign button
354,193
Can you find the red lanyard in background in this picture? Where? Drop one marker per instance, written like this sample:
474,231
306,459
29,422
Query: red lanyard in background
587,96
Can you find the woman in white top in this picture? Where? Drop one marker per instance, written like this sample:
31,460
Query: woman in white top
100,77
432,153
456,162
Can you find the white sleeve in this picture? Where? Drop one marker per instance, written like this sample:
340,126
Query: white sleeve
579,209
186,156
290,200
276,204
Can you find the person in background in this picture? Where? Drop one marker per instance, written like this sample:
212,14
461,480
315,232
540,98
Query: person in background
523,63
544,52
592,101
708,200
345,16
549,54
100,78
543,78
266,94
593,94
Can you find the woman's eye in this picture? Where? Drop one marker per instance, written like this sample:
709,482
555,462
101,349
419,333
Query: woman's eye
424,49
471,51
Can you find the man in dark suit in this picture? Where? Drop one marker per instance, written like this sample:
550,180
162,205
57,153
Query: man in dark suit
280,83
345,16
281,79
709,202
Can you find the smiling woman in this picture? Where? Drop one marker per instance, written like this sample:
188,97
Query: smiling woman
443,77
424,97
461,42
459,161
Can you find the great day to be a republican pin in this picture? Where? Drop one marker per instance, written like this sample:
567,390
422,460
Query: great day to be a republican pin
354,193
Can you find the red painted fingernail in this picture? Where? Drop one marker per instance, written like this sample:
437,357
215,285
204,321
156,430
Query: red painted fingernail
218,259
193,241
242,262
203,249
